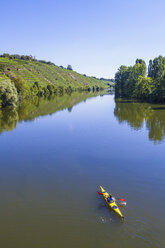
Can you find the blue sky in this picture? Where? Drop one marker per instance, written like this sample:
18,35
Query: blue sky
94,36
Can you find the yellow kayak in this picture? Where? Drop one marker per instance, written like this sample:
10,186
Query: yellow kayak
112,205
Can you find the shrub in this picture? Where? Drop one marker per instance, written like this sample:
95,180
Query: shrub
22,89
50,88
60,90
34,89
8,93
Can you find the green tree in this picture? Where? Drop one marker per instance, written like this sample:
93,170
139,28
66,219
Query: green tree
50,88
156,68
127,77
8,93
69,67
6,55
22,88
143,88
34,89
120,78
158,94
150,68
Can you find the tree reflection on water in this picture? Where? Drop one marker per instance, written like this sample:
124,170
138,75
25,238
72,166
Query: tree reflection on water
33,108
136,114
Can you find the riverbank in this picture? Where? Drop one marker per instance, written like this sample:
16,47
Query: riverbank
22,77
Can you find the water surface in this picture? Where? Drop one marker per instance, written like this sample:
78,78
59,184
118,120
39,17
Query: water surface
55,154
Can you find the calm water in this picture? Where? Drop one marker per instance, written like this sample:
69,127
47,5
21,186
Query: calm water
51,168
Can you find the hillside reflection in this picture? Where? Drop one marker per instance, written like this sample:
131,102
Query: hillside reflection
30,110
137,114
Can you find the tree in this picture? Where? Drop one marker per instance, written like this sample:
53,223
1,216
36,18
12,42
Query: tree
157,68
143,88
34,89
8,93
140,61
158,94
22,89
127,77
138,70
69,67
120,78
150,68
50,88
6,55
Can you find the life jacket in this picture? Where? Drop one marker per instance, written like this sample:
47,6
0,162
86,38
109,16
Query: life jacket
110,199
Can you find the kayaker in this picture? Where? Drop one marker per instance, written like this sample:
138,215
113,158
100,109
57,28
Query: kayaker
110,199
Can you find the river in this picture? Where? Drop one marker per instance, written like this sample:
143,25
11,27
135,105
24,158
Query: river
55,154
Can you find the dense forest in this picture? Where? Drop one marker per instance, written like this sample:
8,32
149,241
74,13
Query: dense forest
23,77
136,83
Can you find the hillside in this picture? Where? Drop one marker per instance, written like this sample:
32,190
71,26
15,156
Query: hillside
23,77
46,73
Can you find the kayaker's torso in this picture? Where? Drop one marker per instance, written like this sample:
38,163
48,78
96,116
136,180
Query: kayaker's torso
111,199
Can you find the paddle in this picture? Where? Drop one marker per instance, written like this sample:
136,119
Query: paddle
120,199
99,193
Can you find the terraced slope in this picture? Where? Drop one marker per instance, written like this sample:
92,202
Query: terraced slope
32,71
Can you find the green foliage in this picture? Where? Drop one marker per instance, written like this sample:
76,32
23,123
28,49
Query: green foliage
120,78
60,90
143,88
50,88
26,57
8,93
131,82
22,89
37,89
1,109
156,68
140,61
31,70
138,70
34,89
42,78
6,55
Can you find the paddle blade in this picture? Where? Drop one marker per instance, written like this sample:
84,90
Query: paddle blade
99,193
121,199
